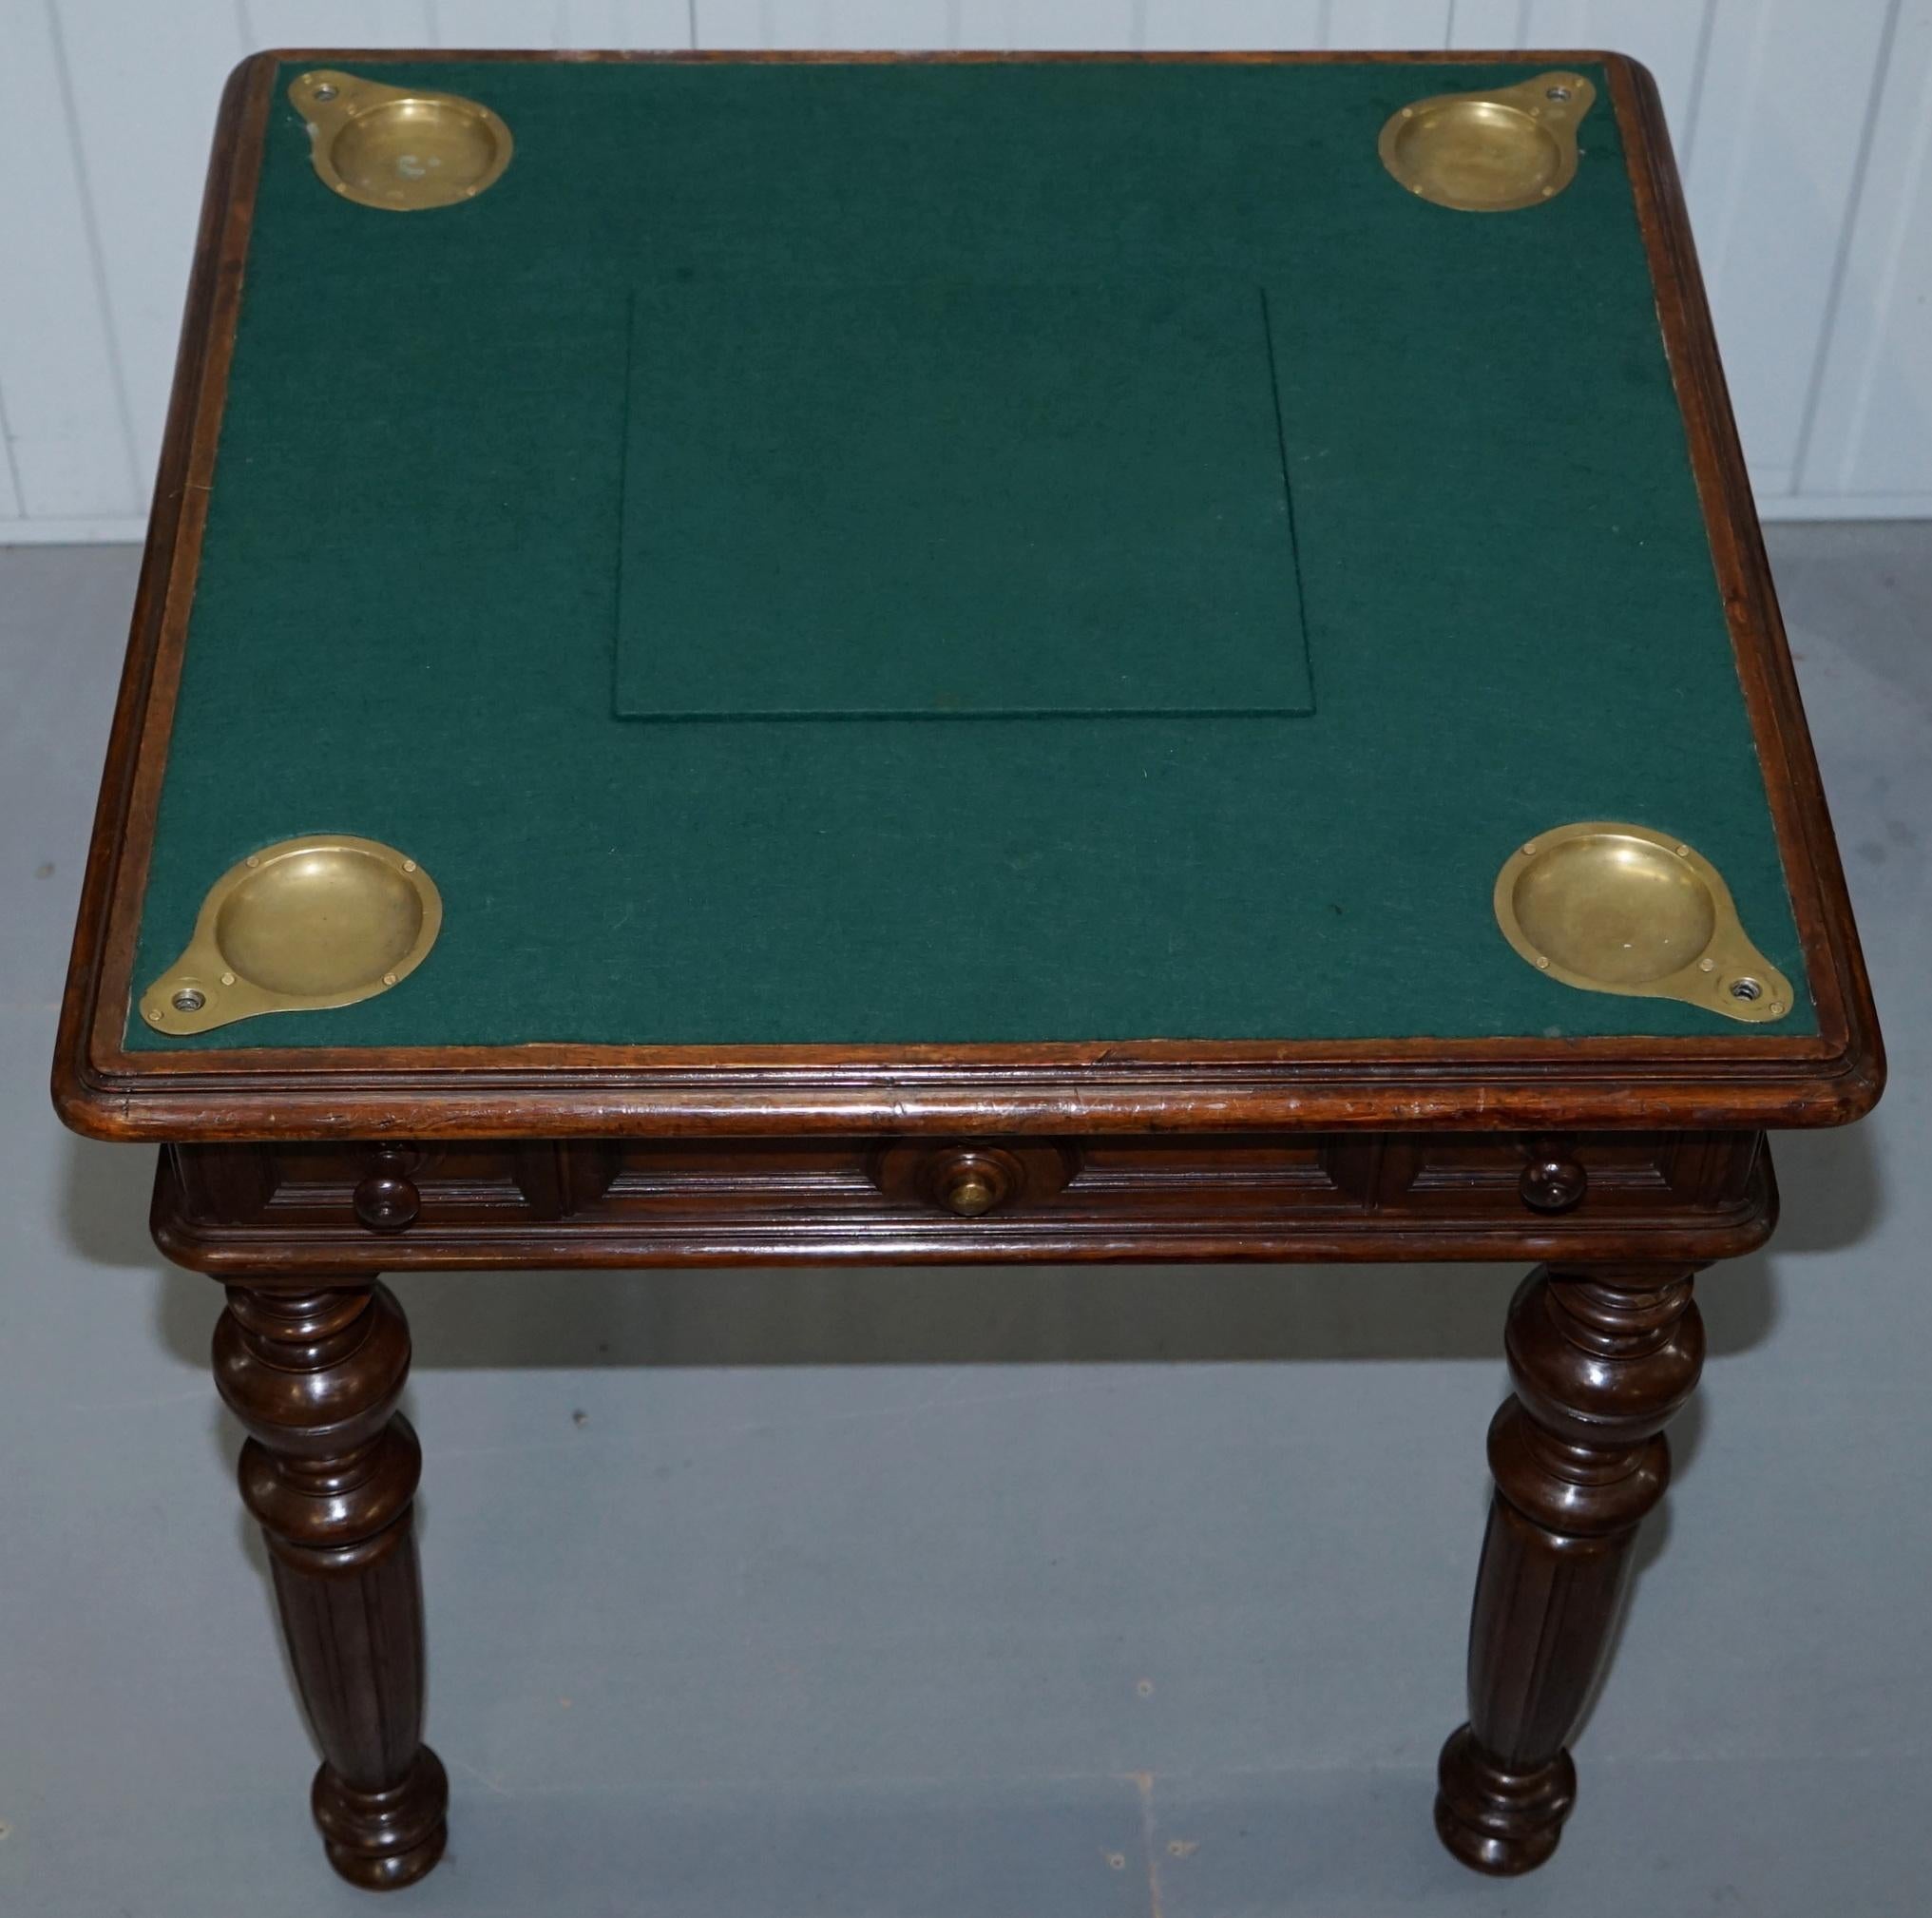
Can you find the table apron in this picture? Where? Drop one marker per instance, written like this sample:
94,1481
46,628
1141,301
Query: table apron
267,1210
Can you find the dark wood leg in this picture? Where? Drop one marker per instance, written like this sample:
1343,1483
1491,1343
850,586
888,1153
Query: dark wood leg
1600,1360
330,1469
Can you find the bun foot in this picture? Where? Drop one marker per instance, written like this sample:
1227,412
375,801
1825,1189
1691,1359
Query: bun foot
384,1840
1500,1822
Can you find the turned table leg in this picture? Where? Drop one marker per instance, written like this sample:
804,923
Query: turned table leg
1600,1359
330,1469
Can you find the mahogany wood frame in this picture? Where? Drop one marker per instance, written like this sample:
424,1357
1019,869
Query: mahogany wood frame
298,1175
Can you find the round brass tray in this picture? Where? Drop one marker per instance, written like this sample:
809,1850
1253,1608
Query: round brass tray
397,148
300,927
1490,152
1610,907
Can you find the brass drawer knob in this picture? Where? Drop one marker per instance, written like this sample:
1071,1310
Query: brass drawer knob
969,1178
1552,1182
970,1184
970,1193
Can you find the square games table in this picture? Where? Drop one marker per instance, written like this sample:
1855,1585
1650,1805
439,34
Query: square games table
783,661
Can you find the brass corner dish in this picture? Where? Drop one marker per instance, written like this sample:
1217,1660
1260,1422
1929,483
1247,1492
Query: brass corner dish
1610,907
1493,151
302,926
401,149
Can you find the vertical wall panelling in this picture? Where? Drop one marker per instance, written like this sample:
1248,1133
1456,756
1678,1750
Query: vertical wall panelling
145,83
1668,36
337,23
1400,25
69,451
1804,134
758,22
1870,433
1255,25
654,24
9,487
622,22
1489,23
899,26
1771,187
496,23
1067,24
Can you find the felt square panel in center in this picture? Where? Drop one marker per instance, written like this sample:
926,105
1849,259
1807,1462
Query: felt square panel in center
955,501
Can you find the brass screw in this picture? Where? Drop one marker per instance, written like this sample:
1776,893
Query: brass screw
389,978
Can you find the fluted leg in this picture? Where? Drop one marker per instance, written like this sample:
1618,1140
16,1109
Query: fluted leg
330,1469
1600,1361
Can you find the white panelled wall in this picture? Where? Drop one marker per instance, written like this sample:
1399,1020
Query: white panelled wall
1803,130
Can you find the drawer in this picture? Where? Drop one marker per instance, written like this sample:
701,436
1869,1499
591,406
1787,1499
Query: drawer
759,1201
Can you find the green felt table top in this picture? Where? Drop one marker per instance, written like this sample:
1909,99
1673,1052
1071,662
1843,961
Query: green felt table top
1065,688
948,498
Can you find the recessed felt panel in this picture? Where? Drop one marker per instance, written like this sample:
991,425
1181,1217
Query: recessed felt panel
950,499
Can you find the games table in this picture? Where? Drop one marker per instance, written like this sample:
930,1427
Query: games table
859,659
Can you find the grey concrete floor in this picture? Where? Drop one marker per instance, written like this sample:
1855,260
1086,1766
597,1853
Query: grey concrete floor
1013,1594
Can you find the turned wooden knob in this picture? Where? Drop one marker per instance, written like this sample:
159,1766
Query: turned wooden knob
385,1200
1552,1182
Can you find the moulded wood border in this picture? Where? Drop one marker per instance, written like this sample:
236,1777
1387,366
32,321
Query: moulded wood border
567,1091
277,1254
277,1214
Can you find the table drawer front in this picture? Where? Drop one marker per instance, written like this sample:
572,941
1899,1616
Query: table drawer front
648,1202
